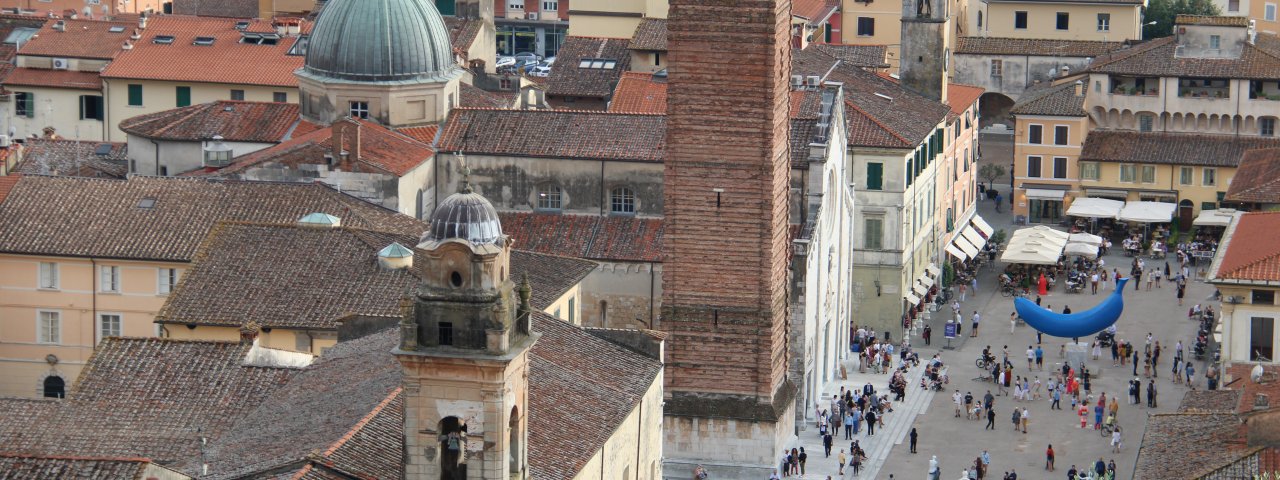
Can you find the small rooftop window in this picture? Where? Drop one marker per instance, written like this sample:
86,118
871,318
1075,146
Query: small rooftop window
103,150
116,29
300,46
20,35
205,41
241,25
259,38
598,63
163,39
146,203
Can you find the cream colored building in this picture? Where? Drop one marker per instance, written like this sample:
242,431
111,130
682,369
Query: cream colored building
1108,20
1262,12
612,18
121,247
177,61
1244,271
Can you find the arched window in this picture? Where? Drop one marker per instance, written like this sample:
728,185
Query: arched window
622,200
515,446
55,387
550,197
453,449
979,19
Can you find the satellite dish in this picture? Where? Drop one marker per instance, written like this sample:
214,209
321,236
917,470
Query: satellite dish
1256,373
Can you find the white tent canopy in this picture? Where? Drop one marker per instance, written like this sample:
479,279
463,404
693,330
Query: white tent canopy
1095,208
982,226
1215,218
956,252
1085,238
1033,253
1082,249
968,248
971,234
1147,212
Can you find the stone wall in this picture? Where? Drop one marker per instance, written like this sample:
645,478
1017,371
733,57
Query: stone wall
378,188
511,183
628,294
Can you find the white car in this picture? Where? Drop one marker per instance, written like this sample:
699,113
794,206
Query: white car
542,70
504,62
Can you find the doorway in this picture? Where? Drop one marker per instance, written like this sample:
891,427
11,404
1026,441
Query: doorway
1186,211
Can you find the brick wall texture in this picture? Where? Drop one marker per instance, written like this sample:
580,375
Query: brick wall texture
725,264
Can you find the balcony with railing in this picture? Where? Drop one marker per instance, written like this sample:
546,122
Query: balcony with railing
1206,88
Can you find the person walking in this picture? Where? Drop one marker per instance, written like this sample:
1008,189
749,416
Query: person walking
976,318
848,425
1026,419
963,289
1013,321
1039,357
914,436
991,419
1115,440
1151,393
959,401
1031,357
1182,291
871,422
1017,419
928,332
803,457
1093,282
841,458
934,470
826,445
1048,458
1191,376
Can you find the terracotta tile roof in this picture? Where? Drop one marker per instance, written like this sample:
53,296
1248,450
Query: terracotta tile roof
1209,401
226,61
580,388
220,8
902,120
106,219
1249,390
69,157
40,77
235,121
1251,253
1157,59
961,97
621,238
148,397
556,134
639,92
1056,100
1217,21
8,23
18,466
425,133
320,410
1120,2
283,284
651,34
1034,46
7,183
463,33
1170,148
471,96
1257,179
815,11
865,56
1174,444
568,79
80,39
381,149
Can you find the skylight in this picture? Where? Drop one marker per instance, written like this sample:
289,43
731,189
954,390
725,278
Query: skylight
241,25
146,203
116,29
20,35
102,150
598,63
206,41
163,39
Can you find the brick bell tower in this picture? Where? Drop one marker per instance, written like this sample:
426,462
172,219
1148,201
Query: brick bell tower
465,335
729,405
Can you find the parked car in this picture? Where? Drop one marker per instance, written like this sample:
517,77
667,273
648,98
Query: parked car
542,70
527,56
504,62
525,66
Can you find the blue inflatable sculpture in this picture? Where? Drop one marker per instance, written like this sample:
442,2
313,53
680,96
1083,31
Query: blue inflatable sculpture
1073,325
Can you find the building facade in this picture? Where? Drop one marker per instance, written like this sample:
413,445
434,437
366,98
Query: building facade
1244,271
1049,131
1104,21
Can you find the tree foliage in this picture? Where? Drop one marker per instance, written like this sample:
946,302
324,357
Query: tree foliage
1164,11
990,172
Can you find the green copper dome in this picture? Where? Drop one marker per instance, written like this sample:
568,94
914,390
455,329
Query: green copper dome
380,41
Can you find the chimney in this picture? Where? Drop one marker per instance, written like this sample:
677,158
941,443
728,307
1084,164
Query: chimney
60,26
1066,71
345,143
249,332
127,45
1079,88
142,21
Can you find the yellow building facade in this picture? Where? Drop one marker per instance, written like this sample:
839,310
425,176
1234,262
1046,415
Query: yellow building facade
1100,21
1050,127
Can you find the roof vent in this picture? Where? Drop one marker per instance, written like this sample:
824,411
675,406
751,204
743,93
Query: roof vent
137,35
395,257
103,150
60,26
163,39
127,45
320,220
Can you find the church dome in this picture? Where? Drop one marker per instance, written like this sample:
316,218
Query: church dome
465,215
380,41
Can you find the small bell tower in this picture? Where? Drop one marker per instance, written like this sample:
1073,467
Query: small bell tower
465,340
925,49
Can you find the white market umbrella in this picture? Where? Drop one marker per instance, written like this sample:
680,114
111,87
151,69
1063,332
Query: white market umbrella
1082,249
1085,238
1147,212
1095,208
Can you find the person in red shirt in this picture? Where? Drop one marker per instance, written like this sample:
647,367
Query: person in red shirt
1048,458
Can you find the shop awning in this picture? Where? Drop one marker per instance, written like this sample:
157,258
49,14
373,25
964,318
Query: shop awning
933,270
968,248
982,225
1032,253
1106,192
911,298
971,234
1095,208
1044,194
1215,218
926,280
1082,249
956,252
919,289
1147,212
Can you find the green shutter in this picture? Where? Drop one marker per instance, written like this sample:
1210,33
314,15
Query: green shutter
135,95
909,172
875,176
184,96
